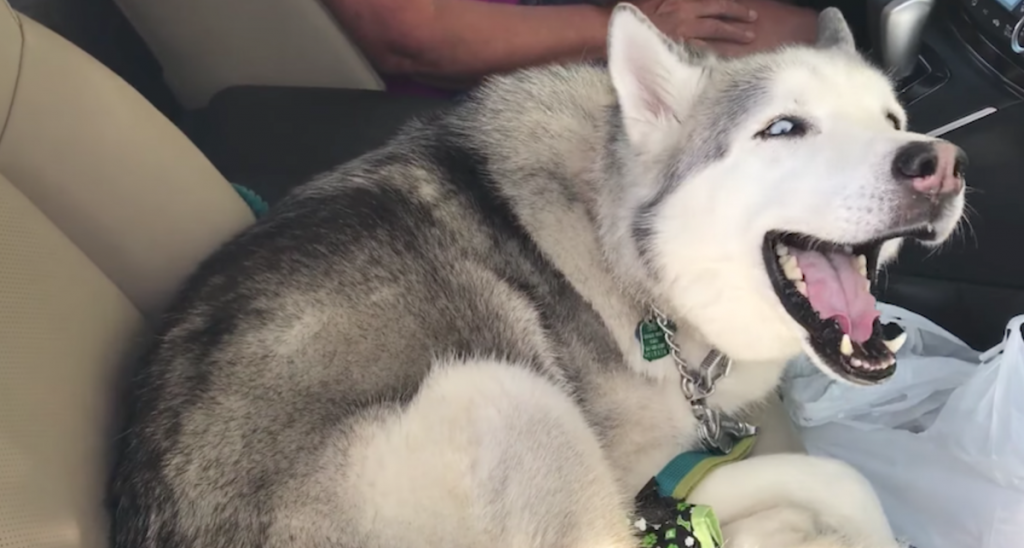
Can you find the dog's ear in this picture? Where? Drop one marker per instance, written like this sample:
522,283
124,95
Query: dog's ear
655,80
833,32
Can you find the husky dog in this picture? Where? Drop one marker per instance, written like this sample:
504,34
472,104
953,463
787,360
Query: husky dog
436,344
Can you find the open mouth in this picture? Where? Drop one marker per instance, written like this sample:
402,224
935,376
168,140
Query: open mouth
826,288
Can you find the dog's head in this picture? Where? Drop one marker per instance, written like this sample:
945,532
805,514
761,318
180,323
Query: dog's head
760,195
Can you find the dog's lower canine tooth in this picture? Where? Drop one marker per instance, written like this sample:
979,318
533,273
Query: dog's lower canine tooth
897,343
801,286
862,265
846,346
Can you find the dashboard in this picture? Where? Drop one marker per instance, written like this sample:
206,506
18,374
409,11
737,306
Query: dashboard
1002,22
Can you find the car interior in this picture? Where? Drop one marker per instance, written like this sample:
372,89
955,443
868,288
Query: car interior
123,122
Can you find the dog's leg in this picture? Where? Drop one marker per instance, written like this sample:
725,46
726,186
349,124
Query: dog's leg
841,501
486,454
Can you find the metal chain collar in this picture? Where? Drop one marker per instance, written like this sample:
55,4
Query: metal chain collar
717,431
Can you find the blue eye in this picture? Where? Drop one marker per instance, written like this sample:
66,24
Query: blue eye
784,127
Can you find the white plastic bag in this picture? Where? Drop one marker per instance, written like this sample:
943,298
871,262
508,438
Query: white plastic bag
942,441
983,422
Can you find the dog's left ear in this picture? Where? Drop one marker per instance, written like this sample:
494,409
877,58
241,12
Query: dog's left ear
655,79
833,32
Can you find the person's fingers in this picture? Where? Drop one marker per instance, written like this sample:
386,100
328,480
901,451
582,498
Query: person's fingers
716,29
724,9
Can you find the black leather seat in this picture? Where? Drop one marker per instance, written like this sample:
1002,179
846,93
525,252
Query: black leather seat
272,139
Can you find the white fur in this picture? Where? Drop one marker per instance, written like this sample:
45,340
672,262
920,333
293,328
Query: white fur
831,498
477,421
471,423
649,80
439,466
835,184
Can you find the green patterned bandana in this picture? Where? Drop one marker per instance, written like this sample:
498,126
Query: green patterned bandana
664,522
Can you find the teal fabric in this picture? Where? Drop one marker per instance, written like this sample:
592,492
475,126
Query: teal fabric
258,206
677,469
682,474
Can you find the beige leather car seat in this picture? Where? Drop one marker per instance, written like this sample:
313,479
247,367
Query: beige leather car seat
205,46
104,208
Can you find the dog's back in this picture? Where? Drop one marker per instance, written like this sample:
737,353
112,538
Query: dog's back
324,318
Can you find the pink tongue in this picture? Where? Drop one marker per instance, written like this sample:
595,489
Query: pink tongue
837,290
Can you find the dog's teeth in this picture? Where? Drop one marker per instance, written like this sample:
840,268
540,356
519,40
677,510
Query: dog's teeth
897,343
791,268
781,250
848,250
856,362
801,286
867,285
862,265
846,346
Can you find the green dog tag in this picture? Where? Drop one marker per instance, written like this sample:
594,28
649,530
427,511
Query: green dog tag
652,340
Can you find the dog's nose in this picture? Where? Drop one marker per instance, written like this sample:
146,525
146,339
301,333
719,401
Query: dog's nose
933,168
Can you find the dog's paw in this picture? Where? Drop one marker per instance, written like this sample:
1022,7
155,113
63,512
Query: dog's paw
787,527
776,528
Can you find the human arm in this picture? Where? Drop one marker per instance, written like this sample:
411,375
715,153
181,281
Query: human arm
463,40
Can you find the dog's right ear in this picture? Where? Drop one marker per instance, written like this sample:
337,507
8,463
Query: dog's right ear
654,78
834,32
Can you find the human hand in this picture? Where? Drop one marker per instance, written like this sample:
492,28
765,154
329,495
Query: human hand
777,24
718,21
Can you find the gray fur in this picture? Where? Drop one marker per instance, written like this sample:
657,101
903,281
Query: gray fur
730,102
833,32
508,229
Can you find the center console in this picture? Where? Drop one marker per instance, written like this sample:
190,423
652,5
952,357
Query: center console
954,61
994,30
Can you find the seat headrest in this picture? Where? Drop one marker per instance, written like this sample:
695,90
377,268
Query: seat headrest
116,176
